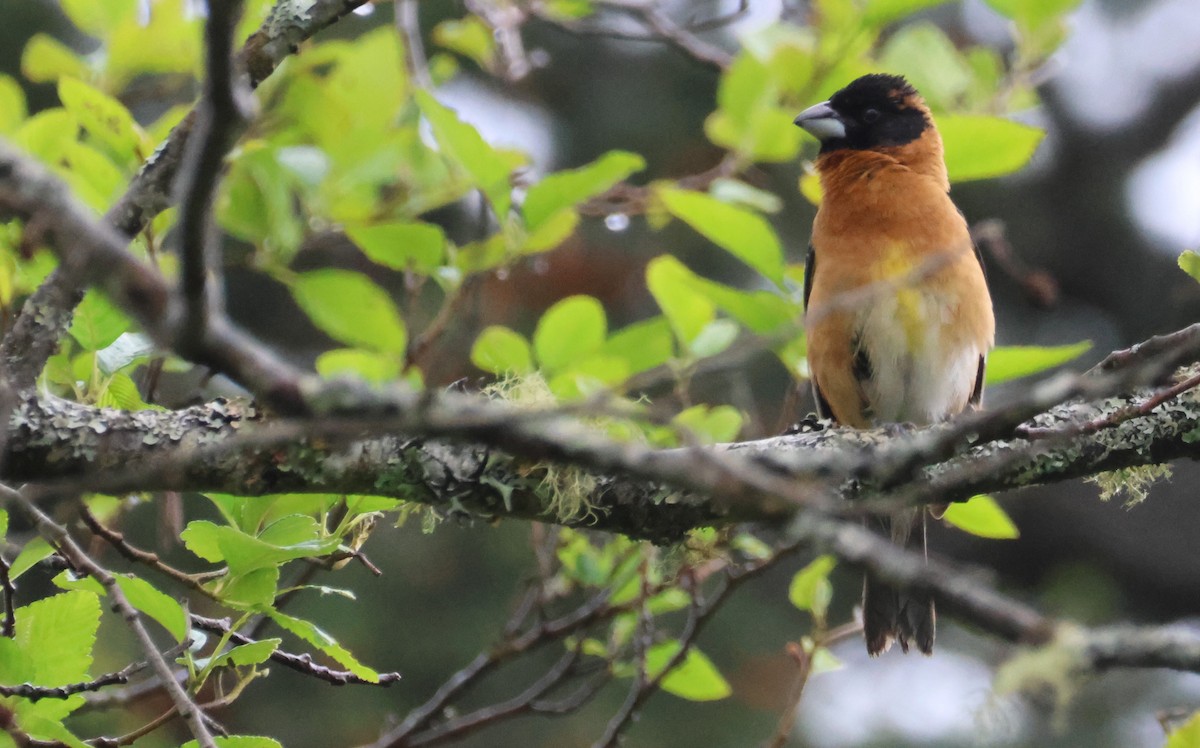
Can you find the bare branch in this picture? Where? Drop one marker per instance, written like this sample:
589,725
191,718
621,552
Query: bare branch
300,663
220,116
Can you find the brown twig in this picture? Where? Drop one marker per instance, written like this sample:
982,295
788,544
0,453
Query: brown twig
58,536
300,663
121,545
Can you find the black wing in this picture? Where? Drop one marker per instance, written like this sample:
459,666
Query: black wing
810,269
976,391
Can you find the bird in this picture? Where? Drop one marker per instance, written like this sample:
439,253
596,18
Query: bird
898,317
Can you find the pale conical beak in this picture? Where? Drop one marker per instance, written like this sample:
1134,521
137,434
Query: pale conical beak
822,122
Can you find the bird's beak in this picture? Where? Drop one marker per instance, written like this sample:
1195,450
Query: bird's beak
822,122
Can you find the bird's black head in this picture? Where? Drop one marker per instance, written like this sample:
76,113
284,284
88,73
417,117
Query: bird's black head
874,111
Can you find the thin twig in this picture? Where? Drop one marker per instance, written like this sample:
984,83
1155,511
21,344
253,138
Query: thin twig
58,536
220,116
9,591
125,548
300,663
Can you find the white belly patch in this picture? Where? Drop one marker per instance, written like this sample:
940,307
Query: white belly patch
916,377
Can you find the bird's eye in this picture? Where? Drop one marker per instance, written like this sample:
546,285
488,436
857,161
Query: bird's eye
871,116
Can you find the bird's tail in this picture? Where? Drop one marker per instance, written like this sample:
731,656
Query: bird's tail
890,615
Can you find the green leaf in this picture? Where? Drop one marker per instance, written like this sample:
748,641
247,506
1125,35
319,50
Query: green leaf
369,366
570,330
162,608
99,19
313,634
923,54
129,348
1016,361
566,189
743,234
97,322
3,524
33,552
200,537
468,36
46,59
715,338
1033,13
695,678
551,232
1189,262
711,425
688,312
57,634
238,741
883,12
810,588
245,655
500,350
402,245
642,345
351,309
464,146
1187,735
252,589
104,118
12,105
982,147
981,515
48,134
121,393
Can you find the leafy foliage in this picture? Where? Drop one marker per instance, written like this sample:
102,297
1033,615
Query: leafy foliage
348,144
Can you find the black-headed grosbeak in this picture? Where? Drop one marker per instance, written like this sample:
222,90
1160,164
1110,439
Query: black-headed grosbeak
898,315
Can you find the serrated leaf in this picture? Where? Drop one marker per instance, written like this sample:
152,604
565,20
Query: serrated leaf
1013,362
121,392
251,589
566,189
500,350
931,62
982,516
695,678
200,537
402,245
69,620
97,322
743,234
570,330
315,636
155,604
350,308
982,147
810,588
464,146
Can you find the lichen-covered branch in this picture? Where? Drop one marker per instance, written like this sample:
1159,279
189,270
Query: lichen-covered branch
230,447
